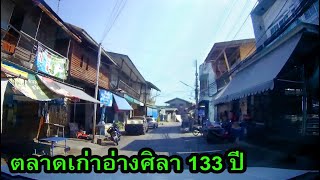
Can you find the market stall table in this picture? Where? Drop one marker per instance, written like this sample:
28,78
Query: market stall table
54,140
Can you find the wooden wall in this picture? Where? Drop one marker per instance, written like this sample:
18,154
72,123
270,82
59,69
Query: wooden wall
83,66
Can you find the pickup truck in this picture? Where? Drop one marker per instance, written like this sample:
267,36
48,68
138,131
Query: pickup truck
136,125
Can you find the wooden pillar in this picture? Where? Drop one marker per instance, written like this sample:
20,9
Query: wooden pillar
226,61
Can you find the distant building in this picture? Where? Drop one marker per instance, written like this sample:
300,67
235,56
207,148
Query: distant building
180,104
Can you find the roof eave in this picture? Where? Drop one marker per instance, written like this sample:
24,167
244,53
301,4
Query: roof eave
45,8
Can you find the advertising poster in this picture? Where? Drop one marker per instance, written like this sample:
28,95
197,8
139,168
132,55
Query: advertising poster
50,63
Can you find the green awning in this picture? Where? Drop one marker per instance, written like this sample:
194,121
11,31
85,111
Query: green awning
128,98
133,100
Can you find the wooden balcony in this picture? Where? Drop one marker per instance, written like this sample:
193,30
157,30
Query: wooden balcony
129,90
20,48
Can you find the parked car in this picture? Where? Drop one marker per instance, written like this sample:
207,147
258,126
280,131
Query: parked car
136,125
152,123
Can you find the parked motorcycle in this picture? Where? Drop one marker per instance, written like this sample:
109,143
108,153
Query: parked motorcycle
224,132
196,130
114,134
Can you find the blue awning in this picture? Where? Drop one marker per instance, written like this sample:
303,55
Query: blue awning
122,104
149,111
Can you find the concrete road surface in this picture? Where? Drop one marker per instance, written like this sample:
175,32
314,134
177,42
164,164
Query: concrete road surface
168,140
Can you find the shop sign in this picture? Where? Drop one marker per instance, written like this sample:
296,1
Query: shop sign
105,97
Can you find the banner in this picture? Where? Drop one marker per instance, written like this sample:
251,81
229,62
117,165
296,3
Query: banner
105,97
51,64
4,83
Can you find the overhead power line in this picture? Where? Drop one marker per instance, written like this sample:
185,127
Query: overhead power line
117,13
244,7
111,15
225,20
297,12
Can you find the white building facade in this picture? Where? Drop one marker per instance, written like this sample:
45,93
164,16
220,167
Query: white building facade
269,15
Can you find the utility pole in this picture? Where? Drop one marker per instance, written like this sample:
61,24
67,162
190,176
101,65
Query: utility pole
145,100
96,96
196,92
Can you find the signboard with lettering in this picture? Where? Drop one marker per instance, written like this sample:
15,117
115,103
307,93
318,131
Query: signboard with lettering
105,97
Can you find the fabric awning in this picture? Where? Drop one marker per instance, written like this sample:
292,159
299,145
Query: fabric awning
121,103
29,85
66,90
258,77
133,100
12,71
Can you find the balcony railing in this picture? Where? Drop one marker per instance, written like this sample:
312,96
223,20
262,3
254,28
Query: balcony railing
129,90
21,48
223,80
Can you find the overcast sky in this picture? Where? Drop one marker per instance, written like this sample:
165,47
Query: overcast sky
163,38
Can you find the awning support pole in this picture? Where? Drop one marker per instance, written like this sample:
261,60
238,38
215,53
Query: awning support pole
96,96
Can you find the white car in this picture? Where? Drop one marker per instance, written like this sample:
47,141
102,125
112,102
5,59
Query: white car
152,123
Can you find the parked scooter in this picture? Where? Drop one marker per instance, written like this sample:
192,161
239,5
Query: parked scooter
224,132
114,133
197,130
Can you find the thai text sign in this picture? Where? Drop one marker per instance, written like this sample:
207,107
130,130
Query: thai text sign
51,64
105,97
146,161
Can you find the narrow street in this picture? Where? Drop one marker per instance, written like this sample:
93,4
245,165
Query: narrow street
168,140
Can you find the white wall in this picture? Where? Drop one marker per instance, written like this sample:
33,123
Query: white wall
273,16
206,68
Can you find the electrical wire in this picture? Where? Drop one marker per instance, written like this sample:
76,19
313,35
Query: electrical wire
112,17
297,14
270,27
115,19
108,20
225,20
244,7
